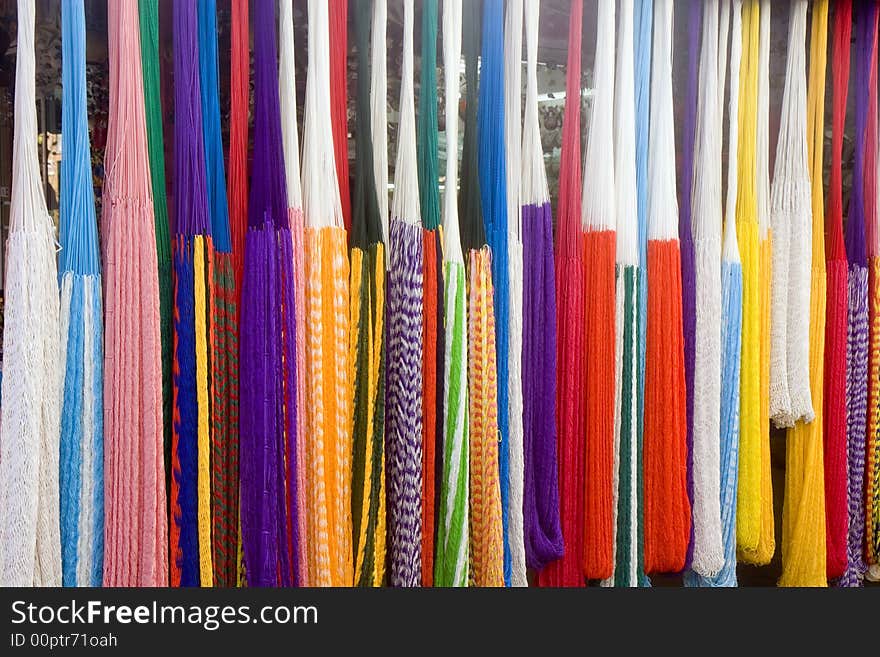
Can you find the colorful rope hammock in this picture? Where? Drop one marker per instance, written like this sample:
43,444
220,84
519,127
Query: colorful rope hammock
404,373
598,224
239,104
135,512
570,388
82,345
667,512
628,570
368,332
872,237
486,526
149,32
542,534
294,471
834,442
451,558
706,216
193,251
432,285
32,382
329,391
513,142
493,196
803,512
339,100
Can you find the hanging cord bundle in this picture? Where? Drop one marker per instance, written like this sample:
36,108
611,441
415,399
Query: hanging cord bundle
750,493
667,512
432,290
791,221
834,438
368,332
149,31
857,326
296,471
803,511
542,534
872,218
451,560
493,196
791,224
135,512
339,99
269,413
379,112
486,533
82,350
193,251
239,107
30,544
328,398
686,245
598,223
570,389
513,136
730,310
404,373
223,318
626,513
706,219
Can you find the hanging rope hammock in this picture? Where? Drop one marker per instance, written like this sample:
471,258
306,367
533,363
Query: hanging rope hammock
513,129
149,32
872,466
626,514
429,198
707,219
667,512
239,91
82,349
296,470
486,528
328,398
379,112
339,100
368,332
570,389
136,518
451,560
542,534
32,381
803,512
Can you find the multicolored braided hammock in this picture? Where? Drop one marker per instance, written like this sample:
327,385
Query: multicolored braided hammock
598,223
542,533
857,330
803,511
513,129
432,290
149,32
626,513
367,336
295,470
31,411
751,512
269,414
135,518
81,479
707,219
193,251
486,529
667,511
339,100
222,316
328,395
834,438
493,196
730,303
570,390
404,374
